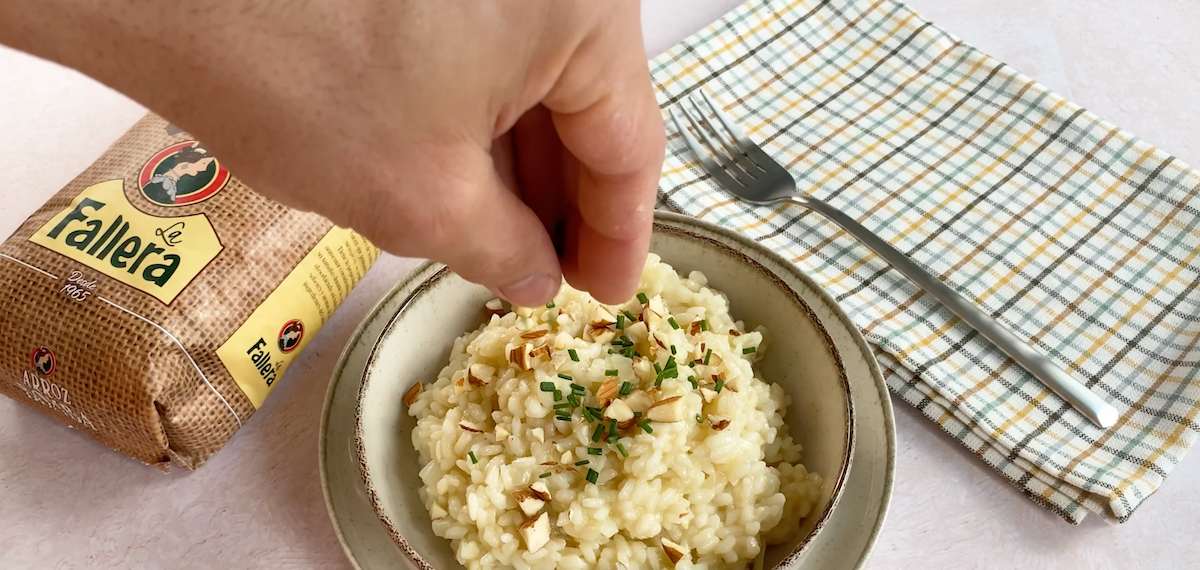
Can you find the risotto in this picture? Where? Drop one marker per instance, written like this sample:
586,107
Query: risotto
583,435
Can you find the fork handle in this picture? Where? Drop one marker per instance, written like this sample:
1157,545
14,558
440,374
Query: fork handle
1079,396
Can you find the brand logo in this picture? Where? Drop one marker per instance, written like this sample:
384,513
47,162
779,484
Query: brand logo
155,254
290,335
182,174
43,360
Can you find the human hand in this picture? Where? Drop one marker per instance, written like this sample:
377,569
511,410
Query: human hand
518,141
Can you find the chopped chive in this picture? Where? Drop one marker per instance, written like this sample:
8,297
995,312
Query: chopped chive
577,389
544,475
612,431
749,350
626,388
562,406
695,383
595,451
474,459
595,412
658,381
707,356
574,355
629,316
621,321
621,448
550,305
566,377
642,298
704,324
573,400
562,418
548,387
610,372
699,419
645,425
581,462
672,349
557,396
598,433
720,385
657,368
592,475
671,321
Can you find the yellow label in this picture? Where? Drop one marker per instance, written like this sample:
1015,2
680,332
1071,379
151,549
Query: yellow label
258,353
103,231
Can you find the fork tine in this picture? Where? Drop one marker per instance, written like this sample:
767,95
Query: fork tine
692,143
734,150
730,126
731,150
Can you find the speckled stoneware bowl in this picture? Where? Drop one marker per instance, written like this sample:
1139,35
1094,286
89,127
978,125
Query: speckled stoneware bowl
435,306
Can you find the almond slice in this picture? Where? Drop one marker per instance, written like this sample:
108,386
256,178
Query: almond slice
480,374
540,490
411,395
618,410
543,350
664,401
666,410
529,504
521,357
734,332
718,423
537,333
468,426
694,328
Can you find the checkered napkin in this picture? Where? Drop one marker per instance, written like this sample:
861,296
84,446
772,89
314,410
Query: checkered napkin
1073,233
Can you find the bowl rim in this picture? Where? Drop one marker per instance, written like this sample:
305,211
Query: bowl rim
429,273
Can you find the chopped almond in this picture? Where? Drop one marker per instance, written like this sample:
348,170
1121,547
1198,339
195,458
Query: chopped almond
540,490
708,394
521,356
618,410
494,307
411,395
673,551
537,333
536,532
694,328
666,410
529,504
718,423
480,374
607,391
639,401
468,426
543,350
734,332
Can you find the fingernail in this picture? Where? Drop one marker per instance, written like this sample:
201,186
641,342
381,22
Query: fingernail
531,290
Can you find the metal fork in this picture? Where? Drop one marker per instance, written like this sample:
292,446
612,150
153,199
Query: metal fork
741,167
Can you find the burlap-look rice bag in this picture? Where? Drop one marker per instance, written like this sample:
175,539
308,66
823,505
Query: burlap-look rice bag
155,301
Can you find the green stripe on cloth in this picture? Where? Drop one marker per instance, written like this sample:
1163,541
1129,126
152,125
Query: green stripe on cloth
1074,233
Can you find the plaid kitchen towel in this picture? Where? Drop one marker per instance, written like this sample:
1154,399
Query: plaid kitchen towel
1072,232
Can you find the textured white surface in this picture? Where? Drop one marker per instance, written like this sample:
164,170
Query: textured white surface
66,502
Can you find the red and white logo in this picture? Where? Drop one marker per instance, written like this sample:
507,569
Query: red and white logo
43,360
182,174
290,335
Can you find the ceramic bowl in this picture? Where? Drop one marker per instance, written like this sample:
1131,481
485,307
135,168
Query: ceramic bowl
763,289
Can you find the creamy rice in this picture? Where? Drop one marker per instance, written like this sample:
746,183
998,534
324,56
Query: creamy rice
705,472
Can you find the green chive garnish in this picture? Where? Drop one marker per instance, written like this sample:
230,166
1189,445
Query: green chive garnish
562,418
672,349
671,321
566,377
720,385
642,298
645,425
704,324
621,448
592,475
612,431
544,475
620,321
573,399
749,350
581,462
548,386
474,459
557,396
574,355
626,388
577,389
629,316
699,419
695,383
707,356
598,433
610,372
595,451
550,305
562,406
